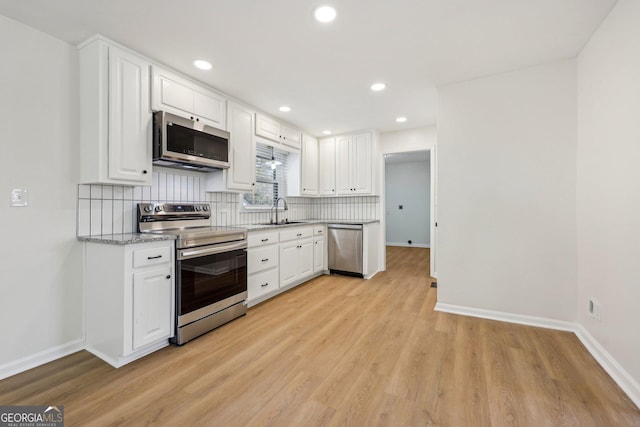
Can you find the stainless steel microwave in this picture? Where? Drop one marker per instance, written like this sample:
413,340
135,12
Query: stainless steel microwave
188,144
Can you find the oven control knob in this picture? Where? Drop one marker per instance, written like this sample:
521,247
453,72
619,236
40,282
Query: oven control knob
198,208
158,208
205,207
147,208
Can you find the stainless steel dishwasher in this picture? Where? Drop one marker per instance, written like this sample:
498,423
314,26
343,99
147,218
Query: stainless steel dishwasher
345,249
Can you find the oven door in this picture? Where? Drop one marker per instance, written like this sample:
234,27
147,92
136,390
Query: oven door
209,279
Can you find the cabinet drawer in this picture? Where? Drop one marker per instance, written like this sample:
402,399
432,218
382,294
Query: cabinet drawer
296,233
261,239
262,283
151,256
259,259
319,230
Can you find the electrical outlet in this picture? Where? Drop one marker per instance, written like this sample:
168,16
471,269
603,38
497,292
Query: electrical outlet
19,198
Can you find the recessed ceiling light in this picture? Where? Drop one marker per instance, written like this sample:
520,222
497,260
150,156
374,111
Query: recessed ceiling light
401,119
377,87
325,14
202,64
326,132
285,109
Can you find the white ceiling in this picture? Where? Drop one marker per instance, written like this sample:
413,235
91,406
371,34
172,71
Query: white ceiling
272,52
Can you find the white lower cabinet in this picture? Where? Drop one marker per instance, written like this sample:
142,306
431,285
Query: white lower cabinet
129,296
262,264
279,260
297,261
262,283
152,291
319,249
319,256
296,254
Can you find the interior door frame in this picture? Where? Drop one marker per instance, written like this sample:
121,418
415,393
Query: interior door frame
433,205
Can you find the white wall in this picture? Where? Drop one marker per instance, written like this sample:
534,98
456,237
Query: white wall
40,259
506,192
408,184
608,197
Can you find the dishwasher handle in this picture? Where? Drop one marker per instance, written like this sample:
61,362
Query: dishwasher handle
344,226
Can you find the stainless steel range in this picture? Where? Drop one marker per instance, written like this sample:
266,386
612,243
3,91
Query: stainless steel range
211,266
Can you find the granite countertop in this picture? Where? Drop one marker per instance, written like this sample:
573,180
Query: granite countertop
126,239
253,227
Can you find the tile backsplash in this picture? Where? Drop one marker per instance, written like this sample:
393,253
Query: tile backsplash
111,209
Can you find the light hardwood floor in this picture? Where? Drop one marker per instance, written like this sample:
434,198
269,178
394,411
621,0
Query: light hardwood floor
343,351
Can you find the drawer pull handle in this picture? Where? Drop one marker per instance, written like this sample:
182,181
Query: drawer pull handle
154,257
264,240
265,285
299,234
265,259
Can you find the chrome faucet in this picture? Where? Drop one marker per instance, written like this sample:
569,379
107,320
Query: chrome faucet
275,206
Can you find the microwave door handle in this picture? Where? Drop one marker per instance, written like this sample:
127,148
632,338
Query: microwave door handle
211,250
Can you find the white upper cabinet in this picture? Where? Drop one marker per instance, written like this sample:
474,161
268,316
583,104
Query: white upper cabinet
185,98
241,174
309,166
115,116
273,130
327,167
291,136
354,164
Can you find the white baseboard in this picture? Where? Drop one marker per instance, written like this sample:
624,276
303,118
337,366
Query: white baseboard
626,382
406,245
610,364
40,358
520,319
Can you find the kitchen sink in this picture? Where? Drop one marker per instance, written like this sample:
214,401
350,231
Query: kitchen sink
282,223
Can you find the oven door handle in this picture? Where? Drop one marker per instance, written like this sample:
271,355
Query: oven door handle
210,250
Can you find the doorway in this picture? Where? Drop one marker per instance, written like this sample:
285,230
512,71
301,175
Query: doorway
408,205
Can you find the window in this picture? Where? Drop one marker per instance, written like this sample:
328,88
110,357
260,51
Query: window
271,183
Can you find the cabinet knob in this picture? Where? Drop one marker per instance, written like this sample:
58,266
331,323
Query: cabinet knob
333,189
168,276
197,119
191,117
253,183
144,172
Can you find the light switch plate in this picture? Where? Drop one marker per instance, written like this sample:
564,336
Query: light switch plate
19,198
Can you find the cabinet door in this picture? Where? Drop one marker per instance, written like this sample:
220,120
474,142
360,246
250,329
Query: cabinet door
152,291
267,128
210,108
309,166
129,118
288,263
290,136
327,167
241,174
305,258
343,165
262,283
361,153
171,93
319,255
